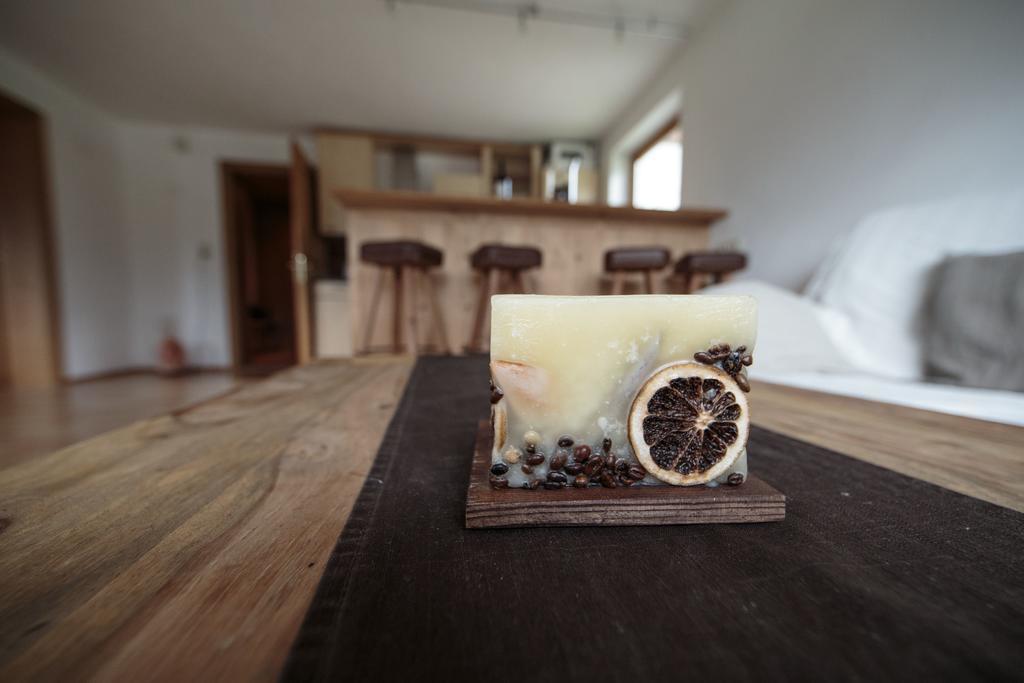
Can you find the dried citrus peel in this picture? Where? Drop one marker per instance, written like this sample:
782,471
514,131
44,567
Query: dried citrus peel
688,423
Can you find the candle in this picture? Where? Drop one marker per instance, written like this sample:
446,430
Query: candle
620,390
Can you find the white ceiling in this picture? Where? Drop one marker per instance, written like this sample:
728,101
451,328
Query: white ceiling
295,64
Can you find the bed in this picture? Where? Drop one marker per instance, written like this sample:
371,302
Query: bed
855,330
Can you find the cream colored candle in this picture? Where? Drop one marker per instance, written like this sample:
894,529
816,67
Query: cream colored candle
572,366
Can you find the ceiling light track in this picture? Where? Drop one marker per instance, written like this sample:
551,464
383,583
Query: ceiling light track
525,12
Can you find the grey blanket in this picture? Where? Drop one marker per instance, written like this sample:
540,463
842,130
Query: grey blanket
973,322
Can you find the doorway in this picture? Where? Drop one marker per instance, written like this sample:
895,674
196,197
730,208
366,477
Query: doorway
257,212
29,321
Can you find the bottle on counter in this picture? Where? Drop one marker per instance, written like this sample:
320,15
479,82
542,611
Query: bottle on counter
502,182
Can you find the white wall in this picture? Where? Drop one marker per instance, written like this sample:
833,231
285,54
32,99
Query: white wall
93,279
801,116
172,205
139,228
658,103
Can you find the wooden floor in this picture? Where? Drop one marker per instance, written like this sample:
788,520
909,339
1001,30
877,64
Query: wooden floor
38,421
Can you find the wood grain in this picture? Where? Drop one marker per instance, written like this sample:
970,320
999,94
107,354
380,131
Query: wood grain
187,547
754,501
180,547
34,423
977,458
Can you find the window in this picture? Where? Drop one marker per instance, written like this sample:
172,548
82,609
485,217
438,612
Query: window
657,174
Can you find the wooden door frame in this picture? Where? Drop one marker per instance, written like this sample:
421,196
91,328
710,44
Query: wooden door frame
229,172
305,245
48,234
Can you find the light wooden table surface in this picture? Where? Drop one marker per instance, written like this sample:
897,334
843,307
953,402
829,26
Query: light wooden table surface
188,546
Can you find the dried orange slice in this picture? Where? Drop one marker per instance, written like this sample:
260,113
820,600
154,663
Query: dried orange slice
688,423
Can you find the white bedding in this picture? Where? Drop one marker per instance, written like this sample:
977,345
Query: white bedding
796,347
983,404
876,278
855,331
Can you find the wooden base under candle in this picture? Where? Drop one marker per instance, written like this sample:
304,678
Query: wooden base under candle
753,501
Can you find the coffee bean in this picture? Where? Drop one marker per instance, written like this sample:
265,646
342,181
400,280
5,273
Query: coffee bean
499,483
552,485
622,466
557,476
581,481
636,473
624,481
581,452
606,445
534,459
735,479
609,461
742,382
573,468
532,484
593,466
526,469
607,480
565,441
499,468
558,460
496,393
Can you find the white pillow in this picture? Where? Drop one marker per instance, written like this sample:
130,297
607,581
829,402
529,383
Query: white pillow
877,278
791,330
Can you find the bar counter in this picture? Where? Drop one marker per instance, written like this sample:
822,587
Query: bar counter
573,239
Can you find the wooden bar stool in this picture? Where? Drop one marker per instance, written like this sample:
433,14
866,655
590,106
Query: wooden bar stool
407,262
696,268
645,260
497,262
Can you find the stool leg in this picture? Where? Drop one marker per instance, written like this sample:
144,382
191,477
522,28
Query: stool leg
676,282
423,281
618,282
396,318
649,281
481,310
438,316
411,315
372,313
495,289
691,282
517,282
